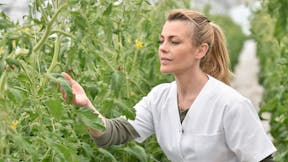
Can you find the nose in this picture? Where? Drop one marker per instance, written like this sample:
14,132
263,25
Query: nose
163,47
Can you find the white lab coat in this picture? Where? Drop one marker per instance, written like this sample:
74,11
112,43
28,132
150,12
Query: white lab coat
220,126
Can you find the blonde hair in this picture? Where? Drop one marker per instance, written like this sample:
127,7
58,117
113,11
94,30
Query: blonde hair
216,62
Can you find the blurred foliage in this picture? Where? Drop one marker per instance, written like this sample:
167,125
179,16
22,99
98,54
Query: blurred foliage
108,46
269,29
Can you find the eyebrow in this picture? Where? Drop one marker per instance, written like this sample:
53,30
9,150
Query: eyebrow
170,36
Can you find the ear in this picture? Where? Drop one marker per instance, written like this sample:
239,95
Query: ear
202,50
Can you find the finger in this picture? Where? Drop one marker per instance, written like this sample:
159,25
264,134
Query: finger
67,77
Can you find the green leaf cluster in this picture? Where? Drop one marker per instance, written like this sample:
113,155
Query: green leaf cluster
269,29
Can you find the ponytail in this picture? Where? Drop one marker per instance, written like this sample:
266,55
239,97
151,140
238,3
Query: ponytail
216,62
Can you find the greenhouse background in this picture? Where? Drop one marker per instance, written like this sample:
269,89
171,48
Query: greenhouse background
35,125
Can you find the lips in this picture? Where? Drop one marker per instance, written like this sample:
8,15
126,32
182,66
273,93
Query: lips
165,60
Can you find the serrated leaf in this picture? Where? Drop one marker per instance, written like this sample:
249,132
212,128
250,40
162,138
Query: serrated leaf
22,143
92,90
67,88
59,79
128,112
55,108
88,149
107,154
90,119
66,153
137,151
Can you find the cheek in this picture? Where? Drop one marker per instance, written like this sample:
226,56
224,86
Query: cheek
185,54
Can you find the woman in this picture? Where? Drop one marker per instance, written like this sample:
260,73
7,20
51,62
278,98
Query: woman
198,117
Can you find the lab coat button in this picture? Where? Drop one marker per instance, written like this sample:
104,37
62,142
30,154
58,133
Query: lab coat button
182,130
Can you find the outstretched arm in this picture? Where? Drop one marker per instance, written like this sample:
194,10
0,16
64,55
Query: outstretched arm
80,98
117,131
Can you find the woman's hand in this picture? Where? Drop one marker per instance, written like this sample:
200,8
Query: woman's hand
79,96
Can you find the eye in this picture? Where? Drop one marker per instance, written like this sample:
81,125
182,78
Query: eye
160,41
175,42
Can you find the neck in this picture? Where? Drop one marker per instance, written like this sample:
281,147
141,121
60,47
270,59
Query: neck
189,86
190,83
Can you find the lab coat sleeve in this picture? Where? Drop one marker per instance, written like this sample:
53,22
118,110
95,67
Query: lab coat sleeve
245,134
143,122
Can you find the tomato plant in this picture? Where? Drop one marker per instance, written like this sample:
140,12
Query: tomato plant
269,28
108,46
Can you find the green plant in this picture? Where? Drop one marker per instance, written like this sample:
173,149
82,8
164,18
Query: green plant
269,29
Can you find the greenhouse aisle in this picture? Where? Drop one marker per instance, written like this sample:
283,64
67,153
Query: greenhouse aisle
246,77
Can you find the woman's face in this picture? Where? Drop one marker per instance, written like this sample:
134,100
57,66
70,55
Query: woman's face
176,51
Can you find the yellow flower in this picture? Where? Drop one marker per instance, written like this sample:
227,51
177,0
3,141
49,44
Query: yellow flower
1,50
139,44
14,124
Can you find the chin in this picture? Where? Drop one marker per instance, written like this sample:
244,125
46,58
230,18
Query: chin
165,71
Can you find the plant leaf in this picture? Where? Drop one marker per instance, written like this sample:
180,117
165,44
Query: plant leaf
55,108
107,154
90,119
137,151
59,79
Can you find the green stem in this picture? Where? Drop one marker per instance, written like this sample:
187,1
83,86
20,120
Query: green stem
3,82
134,60
53,125
46,34
63,33
46,153
47,30
55,55
127,84
54,59
6,34
44,15
26,70
43,39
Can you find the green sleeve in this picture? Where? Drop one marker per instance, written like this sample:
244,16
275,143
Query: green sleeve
118,131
